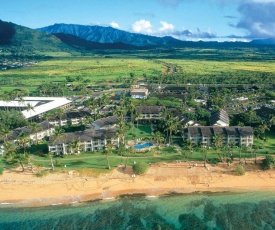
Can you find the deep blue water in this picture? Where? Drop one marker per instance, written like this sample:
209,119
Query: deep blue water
238,211
141,146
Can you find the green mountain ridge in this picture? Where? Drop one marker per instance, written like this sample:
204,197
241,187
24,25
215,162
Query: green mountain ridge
22,40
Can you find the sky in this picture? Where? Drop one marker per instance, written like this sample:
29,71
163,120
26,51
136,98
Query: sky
220,20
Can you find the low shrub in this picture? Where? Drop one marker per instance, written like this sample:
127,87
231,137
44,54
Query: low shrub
239,170
268,162
41,173
140,167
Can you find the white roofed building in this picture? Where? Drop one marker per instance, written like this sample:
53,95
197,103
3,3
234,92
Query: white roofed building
139,93
32,107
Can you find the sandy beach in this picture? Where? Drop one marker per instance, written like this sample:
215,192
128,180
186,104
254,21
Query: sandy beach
62,188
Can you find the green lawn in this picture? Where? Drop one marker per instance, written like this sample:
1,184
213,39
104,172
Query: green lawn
142,132
268,145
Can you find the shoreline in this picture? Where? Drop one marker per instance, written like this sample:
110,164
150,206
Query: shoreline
90,198
166,179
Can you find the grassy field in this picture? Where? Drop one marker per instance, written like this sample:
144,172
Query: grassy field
92,69
196,64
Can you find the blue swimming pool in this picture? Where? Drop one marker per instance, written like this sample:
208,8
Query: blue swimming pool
141,146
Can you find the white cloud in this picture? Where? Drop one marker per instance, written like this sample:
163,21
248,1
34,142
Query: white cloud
165,26
114,25
142,26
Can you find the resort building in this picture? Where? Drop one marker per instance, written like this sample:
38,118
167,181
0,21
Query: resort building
70,118
89,140
45,129
219,118
34,107
203,135
149,112
104,123
141,93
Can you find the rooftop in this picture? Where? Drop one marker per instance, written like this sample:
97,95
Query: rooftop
39,104
149,109
88,135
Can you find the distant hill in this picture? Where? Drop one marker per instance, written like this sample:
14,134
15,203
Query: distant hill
20,39
269,41
7,32
110,35
80,43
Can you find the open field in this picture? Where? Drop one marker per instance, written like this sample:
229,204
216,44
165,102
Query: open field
93,69
192,65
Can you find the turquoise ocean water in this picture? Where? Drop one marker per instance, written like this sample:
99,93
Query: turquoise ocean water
244,211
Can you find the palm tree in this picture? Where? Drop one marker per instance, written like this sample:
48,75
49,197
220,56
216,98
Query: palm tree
58,134
108,149
23,140
137,116
158,137
30,108
131,108
121,130
93,105
59,113
9,147
254,149
217,143
204,152
21,158
263,127
244,149
173,125
47,116
121,148
21,101
186,155
4,131
50,154
166,117
189,145
35,128
250,113
28,157
75,146
120,112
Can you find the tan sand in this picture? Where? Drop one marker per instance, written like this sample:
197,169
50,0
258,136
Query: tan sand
26,189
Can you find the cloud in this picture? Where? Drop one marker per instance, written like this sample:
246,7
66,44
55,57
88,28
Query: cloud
189,34
142,26
166,27
258,18
114,25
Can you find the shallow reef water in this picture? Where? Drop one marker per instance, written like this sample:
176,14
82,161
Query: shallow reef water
246,210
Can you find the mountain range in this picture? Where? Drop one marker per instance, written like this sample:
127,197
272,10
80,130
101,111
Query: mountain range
71,38
110,35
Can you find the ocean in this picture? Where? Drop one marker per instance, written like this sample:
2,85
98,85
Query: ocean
243,211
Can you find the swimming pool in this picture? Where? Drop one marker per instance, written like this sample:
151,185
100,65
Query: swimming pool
141,146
